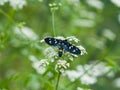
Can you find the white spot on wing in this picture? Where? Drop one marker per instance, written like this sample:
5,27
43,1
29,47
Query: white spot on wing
49,38
74,50
59,43
55,42
50,42
70,47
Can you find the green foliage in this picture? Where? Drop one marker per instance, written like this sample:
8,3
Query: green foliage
22,29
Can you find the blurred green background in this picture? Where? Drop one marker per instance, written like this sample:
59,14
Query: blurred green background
96,23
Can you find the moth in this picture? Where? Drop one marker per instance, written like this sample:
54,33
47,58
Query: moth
63,45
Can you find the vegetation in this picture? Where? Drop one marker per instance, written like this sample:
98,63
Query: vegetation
28,63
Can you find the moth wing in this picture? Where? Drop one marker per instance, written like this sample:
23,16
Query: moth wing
71,48
52,41
74,50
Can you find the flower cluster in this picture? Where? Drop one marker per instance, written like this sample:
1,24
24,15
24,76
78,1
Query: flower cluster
83,51
25,32
39,65
61,66
73,38
79,88
51,56
54,6
116,2
98,4
88,73
15,4
116,82
107,33
75,3
2,2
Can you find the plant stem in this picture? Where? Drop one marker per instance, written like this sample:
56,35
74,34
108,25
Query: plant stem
58,79
53,23
7,16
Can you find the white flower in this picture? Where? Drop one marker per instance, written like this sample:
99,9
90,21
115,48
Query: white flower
88,14
74,2
73,38
95,3
83,51
41,41
50,53
70,56
88,73
79,88
96,42
84,23
40,0
116,82
25,32
2,2
61,65
39,65
111,74
33,58
98,69
60,37
116,2
119,18
17,4
72,74
109,34
88,80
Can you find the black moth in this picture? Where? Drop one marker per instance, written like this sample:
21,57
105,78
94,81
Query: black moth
62,45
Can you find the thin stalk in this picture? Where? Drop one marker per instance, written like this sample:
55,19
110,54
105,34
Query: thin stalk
7,16
53,22
58,79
